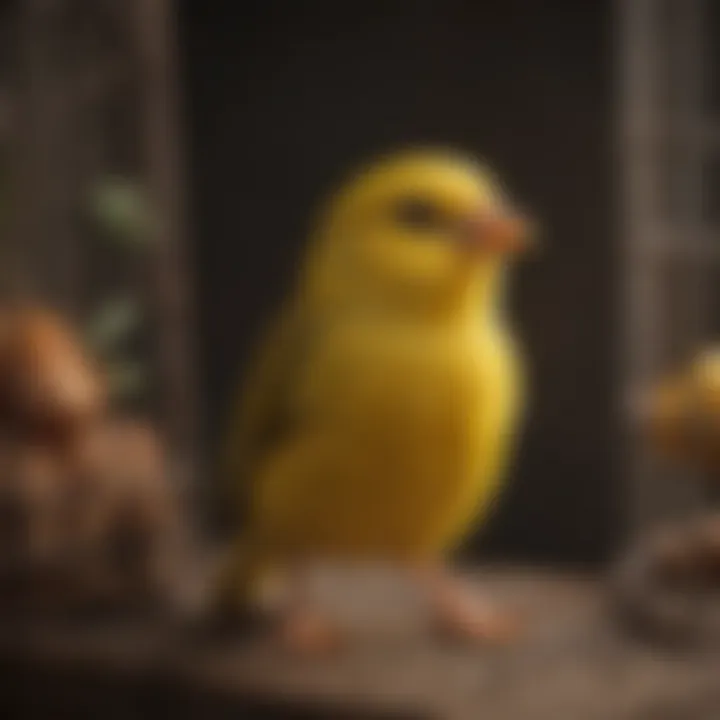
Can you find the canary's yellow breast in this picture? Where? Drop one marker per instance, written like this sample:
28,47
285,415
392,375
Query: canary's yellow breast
402,444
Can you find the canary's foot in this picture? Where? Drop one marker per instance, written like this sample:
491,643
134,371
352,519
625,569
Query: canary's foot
309,634
477,622
461,614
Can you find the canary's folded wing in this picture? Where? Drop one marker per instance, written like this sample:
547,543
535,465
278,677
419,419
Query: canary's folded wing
262,413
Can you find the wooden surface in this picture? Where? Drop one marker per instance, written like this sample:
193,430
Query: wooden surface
571,664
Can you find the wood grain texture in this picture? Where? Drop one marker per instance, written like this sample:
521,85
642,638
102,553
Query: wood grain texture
572,663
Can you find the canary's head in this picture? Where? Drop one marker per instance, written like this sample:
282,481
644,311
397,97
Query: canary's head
419,224
681,412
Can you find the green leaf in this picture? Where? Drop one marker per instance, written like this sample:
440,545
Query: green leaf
127,379
113,323
121,209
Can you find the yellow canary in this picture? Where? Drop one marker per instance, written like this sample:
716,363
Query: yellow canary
378,420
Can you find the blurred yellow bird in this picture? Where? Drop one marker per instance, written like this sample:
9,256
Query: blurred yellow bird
378,420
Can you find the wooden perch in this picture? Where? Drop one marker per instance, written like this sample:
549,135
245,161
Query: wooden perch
570,665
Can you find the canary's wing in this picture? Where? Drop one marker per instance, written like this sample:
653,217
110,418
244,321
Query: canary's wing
262,413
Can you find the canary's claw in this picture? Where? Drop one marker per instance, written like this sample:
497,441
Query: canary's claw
461,614
477,623
310,635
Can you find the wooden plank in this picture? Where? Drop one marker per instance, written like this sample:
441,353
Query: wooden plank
571,663
637,75
172,291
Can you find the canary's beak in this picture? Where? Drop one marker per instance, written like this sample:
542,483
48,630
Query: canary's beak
497,232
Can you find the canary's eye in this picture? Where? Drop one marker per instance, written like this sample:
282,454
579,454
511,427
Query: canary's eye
418,214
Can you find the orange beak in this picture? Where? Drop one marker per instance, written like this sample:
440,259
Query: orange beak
501,233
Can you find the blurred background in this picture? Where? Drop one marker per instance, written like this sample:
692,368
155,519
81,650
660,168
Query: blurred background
160,162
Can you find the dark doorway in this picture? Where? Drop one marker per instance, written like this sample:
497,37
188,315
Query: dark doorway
283,97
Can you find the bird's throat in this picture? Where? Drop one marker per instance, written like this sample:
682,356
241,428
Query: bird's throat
481,299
